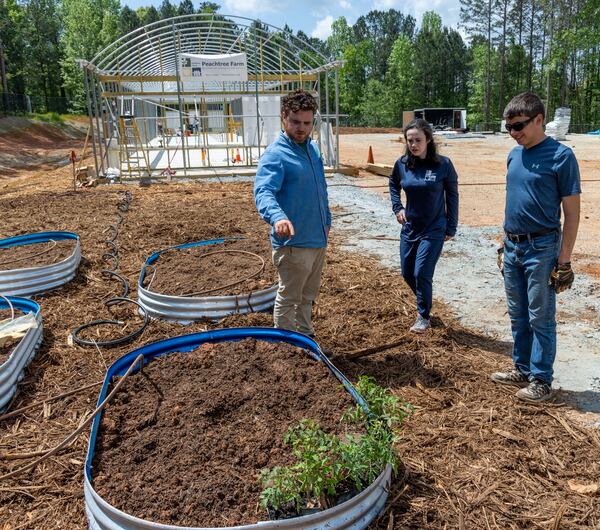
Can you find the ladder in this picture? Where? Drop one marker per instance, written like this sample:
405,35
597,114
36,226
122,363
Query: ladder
133,158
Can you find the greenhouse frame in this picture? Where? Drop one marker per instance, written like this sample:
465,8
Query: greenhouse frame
199,95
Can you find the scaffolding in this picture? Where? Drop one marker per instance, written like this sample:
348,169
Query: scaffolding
200,94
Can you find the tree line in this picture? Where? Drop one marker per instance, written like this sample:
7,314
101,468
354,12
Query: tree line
391,61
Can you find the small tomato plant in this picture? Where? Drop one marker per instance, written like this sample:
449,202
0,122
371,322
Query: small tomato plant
327,465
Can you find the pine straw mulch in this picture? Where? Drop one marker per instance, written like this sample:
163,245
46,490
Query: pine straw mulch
473,457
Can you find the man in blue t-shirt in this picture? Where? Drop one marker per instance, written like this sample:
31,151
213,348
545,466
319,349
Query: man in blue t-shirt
542,177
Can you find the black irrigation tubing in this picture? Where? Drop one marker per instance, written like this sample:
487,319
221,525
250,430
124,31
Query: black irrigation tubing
124,282
109,256
115,232
106,322
112,256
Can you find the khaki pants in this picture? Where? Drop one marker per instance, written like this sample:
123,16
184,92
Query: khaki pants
299,272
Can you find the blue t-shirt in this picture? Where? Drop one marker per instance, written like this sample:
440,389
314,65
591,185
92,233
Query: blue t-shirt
431,198
536,181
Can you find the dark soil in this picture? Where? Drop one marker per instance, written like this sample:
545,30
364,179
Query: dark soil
185,272
7,349
185,441
35,255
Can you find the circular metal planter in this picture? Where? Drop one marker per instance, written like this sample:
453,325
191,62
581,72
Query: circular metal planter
11,370
353,514
36,280
186,309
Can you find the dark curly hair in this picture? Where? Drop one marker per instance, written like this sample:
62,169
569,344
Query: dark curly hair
431,157
298,100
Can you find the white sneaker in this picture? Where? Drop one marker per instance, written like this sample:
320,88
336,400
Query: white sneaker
421,325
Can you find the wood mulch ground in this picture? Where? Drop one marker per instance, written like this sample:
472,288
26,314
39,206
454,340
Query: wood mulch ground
473,456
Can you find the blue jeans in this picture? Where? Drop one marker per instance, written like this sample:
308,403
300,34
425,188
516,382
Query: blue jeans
532,303
417,260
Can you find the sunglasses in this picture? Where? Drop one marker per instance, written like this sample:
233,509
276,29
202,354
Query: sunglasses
519,125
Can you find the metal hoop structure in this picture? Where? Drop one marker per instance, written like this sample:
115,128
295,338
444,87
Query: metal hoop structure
188,94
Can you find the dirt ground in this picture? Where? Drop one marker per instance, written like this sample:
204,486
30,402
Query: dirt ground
35,255
28,147
229,268
481,167
473,457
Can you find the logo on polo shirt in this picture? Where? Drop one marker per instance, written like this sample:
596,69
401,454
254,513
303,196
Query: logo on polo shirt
430,176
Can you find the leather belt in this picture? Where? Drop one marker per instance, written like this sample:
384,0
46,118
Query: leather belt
519,238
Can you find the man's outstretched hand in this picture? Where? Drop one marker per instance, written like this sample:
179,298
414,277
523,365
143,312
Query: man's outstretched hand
284,229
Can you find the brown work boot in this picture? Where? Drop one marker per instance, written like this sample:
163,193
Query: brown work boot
510,377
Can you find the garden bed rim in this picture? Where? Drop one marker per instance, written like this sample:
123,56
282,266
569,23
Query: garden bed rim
11,370
191,341
28,281
313,521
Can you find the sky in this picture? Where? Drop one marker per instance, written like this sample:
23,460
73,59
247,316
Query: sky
314,17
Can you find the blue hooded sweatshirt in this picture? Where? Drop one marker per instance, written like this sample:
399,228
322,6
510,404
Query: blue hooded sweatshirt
290,184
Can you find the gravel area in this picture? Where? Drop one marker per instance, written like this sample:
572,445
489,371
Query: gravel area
467,279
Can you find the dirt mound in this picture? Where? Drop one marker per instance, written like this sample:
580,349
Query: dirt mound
28,144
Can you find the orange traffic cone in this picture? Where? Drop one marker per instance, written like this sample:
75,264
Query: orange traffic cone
238,158
370,157
203,156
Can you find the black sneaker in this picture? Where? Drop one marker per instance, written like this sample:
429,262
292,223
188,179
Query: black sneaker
535,392
510,377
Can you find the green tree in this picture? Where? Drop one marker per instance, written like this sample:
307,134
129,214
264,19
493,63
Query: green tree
400,78
208,7
353,78
89,26
478,17
186,7
42,51
341,36
147,15
382,28
440,64
12,44
167,10
128,20
376,106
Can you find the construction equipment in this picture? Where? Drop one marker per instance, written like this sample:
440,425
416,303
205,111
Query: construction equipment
132,155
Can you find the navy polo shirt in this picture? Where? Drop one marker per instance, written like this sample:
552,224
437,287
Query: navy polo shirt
536,181
431,198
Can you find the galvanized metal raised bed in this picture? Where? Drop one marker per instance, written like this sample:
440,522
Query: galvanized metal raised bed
353,514
35,280
186,309
11,370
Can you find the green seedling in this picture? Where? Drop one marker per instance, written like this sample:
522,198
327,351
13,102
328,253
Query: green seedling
326,465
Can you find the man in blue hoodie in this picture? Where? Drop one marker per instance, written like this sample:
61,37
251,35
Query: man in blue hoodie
290,194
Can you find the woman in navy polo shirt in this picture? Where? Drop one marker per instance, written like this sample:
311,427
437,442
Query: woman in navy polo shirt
430,216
